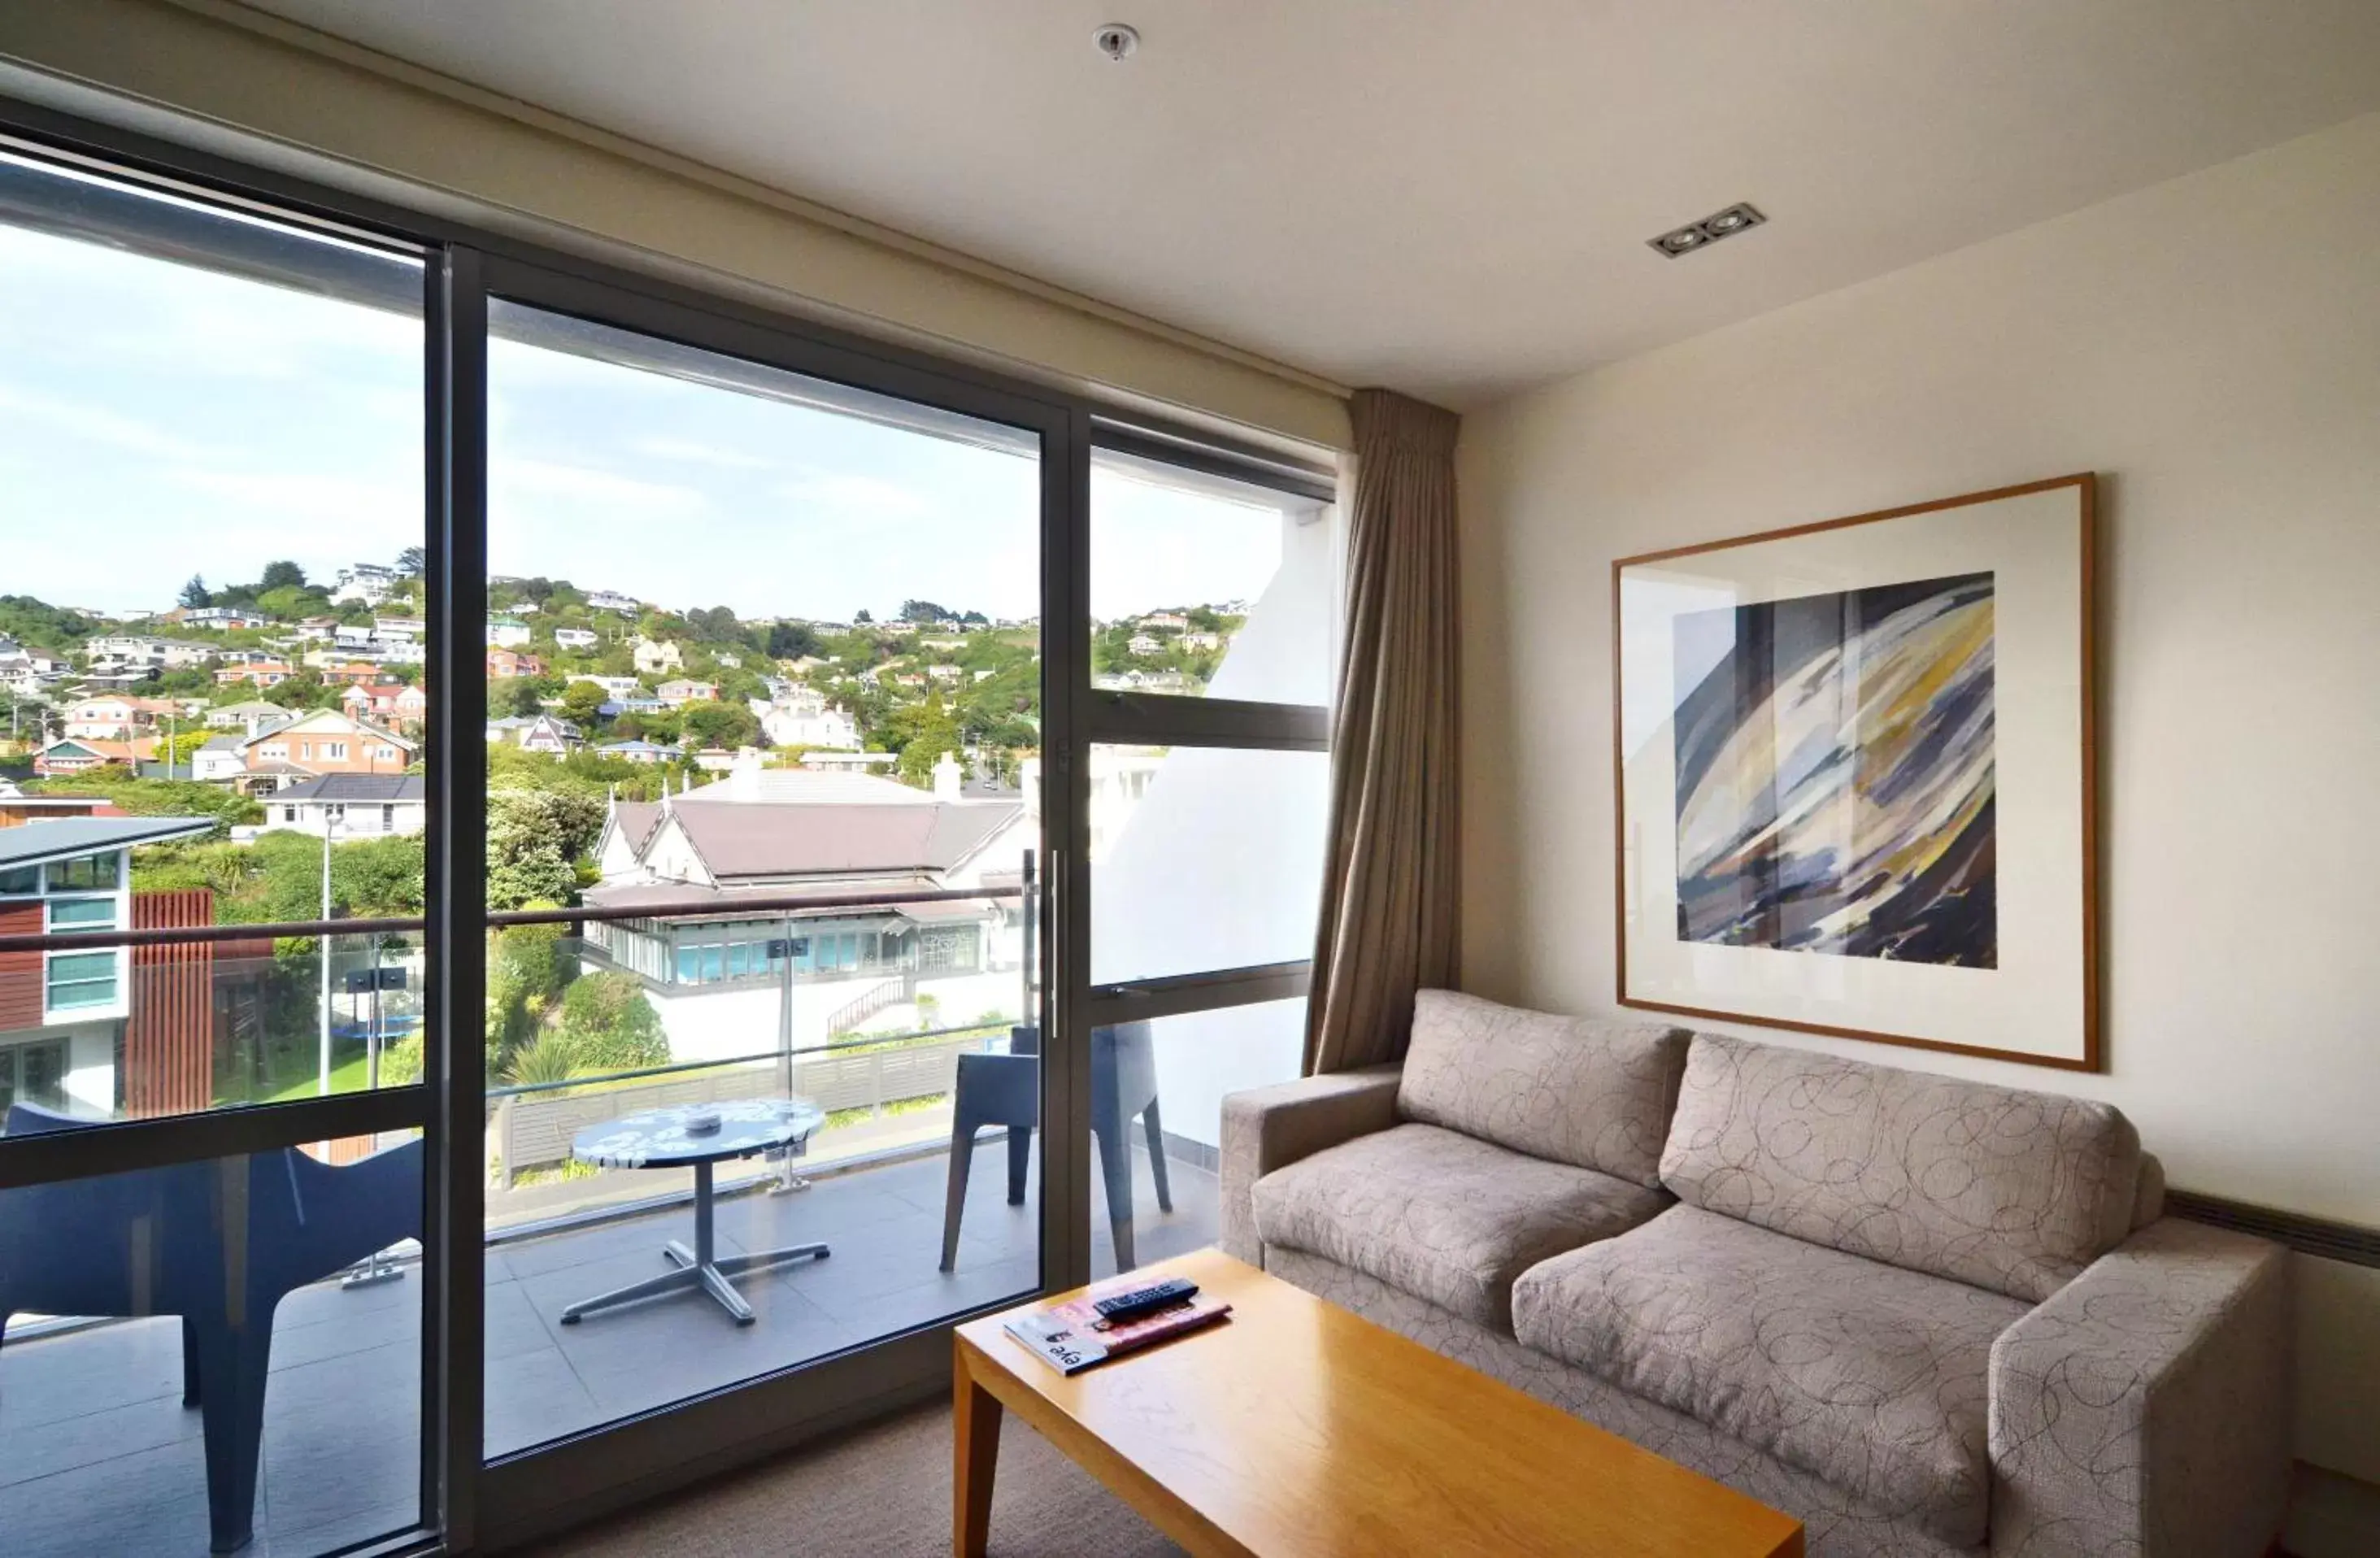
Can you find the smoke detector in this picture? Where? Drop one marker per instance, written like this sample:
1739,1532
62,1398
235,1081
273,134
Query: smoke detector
1117,40
1739,217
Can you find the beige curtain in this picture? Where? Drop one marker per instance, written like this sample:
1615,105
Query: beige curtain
1389,893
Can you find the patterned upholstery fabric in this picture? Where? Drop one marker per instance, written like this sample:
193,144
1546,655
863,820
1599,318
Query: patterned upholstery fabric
1837,1525
1593,1093
1869,1376
1266,1128
1442,1215
2008,1190
2145,1407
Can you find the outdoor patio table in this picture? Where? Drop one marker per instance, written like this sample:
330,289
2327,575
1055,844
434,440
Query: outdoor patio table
659,1138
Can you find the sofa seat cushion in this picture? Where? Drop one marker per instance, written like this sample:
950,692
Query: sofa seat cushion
1443,1216
1865,1375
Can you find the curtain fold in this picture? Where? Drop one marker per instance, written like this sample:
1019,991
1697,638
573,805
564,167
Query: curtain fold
1388,922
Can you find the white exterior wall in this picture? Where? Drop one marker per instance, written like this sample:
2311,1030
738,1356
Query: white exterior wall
705,1022
1220,864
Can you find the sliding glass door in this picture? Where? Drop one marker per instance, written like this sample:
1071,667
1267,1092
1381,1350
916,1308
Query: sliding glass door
764,674
583,870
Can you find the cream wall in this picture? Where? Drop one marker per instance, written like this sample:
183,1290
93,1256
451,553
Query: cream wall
2211,346
241,83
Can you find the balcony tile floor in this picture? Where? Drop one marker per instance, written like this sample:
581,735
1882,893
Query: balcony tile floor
98,1456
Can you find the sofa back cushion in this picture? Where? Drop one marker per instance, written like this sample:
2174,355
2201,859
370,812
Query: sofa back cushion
2007,1190
1590,1093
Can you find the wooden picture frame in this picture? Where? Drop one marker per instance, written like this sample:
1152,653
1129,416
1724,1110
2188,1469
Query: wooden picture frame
1827,718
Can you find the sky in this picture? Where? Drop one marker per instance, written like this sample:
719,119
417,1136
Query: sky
159,421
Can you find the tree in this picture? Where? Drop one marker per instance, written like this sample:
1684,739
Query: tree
412,562
719,724
280,575
289,602
922,610
514,696
535,838
862,615
302,690
931,732
583,701
194,594
610,1026
790,640
718,625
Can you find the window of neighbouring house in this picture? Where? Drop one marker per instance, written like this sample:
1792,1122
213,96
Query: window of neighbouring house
89,872
82,914
33,1074
81,978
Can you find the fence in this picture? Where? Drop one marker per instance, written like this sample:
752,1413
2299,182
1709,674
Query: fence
527,1130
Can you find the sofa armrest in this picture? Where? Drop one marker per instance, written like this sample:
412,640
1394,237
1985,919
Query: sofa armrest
1266,1128
2144,1407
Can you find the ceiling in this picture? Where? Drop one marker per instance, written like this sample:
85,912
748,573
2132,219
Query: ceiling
1448,196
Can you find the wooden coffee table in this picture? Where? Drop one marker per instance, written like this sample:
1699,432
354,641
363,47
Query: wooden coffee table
1296,1428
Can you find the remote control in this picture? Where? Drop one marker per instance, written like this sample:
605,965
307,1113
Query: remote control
1140,1301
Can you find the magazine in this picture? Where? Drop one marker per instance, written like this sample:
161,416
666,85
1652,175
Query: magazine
1070,1337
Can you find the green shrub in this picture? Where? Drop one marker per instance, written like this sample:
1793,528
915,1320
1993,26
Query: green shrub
611,1025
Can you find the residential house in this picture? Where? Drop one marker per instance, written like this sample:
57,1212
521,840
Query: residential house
728,658
317,630
70,1017
683,690
260,673
803,719
220,761
219,619
612,708
130,651
409,709
613,687
506,664
507,632
897,628
1145,643
346,807
375,704
1198,641
400,627
357,673
641,751
80,755
118,718
613,600
325,741
946,673
1165,621
763,832
367,584
547,733
245,715
653,656
575,639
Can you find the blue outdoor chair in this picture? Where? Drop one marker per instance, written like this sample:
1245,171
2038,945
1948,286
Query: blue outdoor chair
220,1244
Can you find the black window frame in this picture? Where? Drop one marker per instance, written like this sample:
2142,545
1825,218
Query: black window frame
467,1501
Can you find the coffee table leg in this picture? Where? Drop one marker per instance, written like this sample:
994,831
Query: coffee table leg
975,1440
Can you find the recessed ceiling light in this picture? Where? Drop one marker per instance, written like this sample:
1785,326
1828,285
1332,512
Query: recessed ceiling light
1719,225
1117,40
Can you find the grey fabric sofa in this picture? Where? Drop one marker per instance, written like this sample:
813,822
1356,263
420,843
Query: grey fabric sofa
1924,1316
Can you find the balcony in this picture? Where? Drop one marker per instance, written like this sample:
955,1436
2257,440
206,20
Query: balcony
98,1454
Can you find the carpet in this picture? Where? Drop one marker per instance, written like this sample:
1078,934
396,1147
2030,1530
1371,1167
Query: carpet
881,1492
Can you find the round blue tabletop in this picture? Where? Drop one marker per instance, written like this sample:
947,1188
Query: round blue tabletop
658,1138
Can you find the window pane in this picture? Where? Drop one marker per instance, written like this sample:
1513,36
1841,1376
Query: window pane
1202,588
751,636
1203,858
111,1423
1157,1098
221,417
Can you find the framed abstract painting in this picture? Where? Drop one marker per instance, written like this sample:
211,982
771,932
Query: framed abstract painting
1854,762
